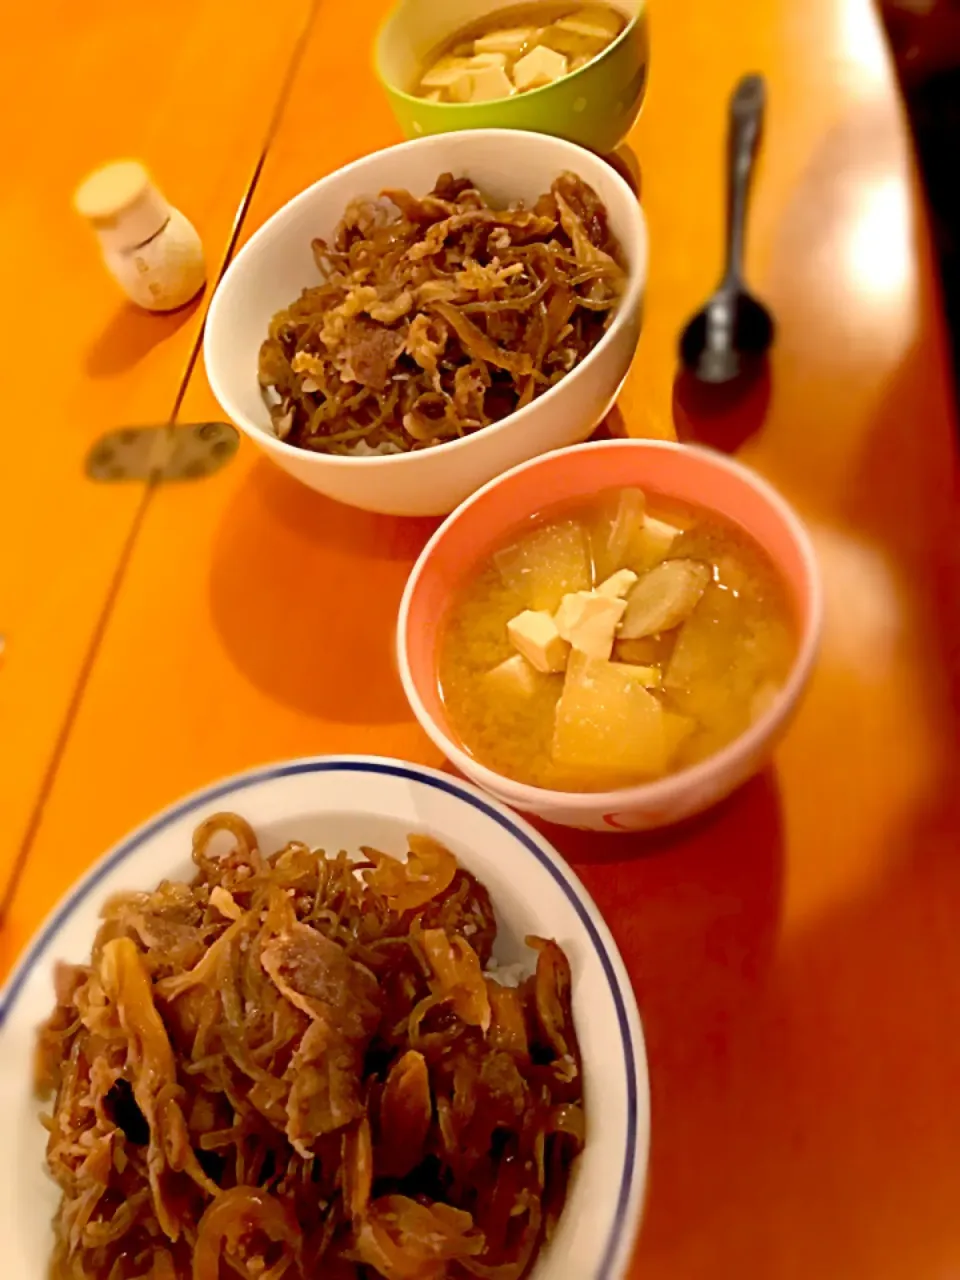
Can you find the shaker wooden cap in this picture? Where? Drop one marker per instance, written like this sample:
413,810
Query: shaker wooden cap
110,190
122,204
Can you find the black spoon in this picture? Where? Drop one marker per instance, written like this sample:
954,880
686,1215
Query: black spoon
733,330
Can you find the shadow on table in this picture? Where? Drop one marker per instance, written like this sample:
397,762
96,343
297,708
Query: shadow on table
803,1122
698,902
728,861
803,1109
696,909
295,582
624,161
331,524
749,821
130,334
915,472
724,417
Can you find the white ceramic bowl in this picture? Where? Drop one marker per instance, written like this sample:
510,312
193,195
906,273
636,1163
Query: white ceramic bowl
701,477
342,802
270,271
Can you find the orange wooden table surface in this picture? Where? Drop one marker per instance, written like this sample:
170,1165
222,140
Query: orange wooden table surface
796,953
86,84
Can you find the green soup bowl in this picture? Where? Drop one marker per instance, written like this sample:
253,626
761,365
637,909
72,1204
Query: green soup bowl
596,106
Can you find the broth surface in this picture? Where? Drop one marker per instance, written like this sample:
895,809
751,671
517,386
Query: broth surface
516,49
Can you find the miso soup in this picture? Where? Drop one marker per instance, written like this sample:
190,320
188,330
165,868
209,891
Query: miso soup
517,49
614,642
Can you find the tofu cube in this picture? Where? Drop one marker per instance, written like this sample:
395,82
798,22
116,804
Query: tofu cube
534,634
460,90
445,73
486,83
618,584
588,621
664,597
479,60
433,96
511,40
539,67
608,721
654,541
572,44
515,679
594,23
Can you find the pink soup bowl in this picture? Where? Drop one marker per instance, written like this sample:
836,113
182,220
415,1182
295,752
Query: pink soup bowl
697,476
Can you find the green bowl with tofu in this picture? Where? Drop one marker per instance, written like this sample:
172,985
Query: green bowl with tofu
577,71
613,636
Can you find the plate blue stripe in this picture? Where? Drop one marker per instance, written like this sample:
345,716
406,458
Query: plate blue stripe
202,799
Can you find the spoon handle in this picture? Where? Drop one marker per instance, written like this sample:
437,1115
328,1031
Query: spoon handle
746,119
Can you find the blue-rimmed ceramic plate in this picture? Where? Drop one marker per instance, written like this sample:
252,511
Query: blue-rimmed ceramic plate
343,802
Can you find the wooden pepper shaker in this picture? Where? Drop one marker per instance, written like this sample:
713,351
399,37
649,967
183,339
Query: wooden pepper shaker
149,247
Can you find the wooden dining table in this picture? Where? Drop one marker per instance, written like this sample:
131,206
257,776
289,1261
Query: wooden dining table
796,952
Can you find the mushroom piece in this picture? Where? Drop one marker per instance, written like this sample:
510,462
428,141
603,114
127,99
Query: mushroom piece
663,598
